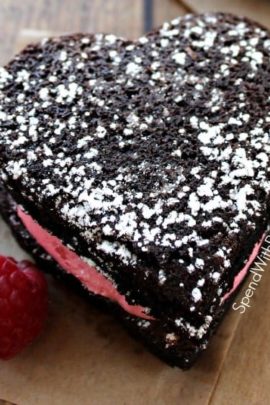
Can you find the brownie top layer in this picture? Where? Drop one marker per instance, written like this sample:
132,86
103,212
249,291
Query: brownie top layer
158,147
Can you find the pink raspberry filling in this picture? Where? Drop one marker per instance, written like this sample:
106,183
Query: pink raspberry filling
241,275
73,264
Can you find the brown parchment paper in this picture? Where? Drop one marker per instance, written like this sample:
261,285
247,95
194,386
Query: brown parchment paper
86,357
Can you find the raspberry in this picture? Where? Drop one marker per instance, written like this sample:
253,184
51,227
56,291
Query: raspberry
23,305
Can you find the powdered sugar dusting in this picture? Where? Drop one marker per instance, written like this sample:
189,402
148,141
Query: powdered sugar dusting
162,150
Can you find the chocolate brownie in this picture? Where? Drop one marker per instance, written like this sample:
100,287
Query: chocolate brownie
148,161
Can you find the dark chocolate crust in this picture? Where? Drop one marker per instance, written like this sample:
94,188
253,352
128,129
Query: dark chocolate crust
151,158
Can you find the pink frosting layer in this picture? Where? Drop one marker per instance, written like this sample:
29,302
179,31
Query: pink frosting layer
73,264
241,275
91,278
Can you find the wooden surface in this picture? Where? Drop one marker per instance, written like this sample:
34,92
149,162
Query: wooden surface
166,10
234,370
122,17
256,9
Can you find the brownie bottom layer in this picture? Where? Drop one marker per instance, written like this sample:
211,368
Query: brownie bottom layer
169,343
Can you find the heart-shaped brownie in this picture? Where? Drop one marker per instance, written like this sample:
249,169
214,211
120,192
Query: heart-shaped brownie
148,161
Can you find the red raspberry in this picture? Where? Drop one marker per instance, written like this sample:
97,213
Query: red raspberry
23,305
